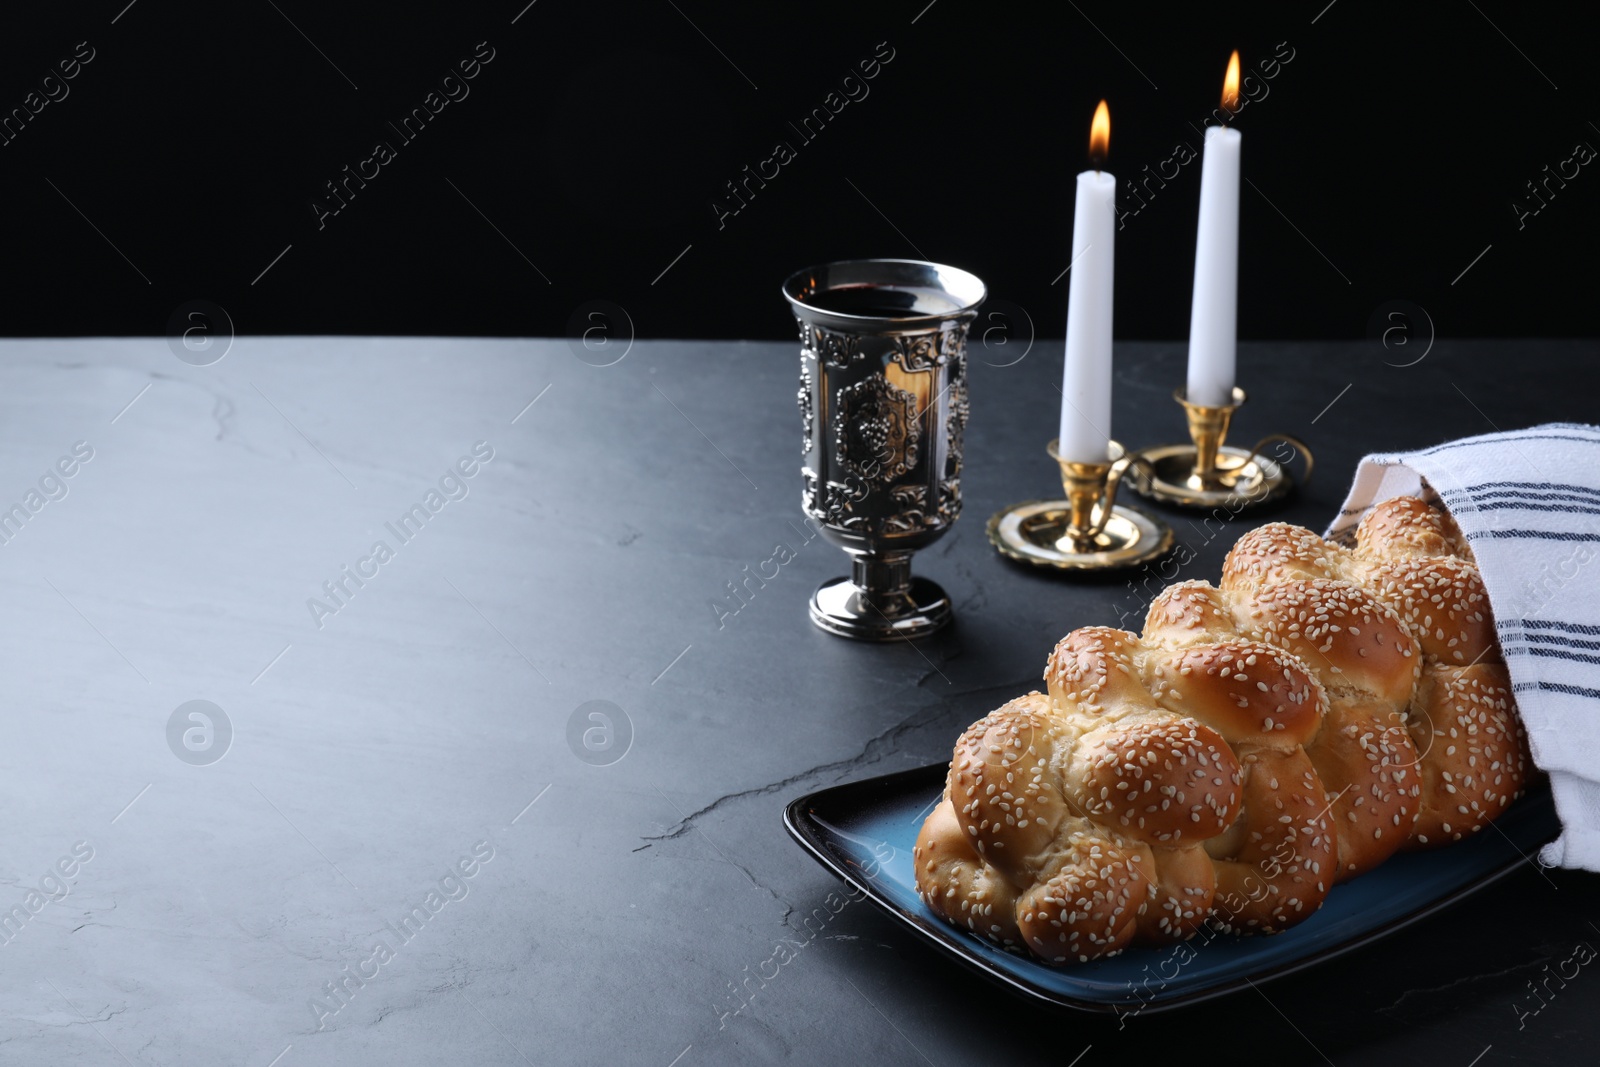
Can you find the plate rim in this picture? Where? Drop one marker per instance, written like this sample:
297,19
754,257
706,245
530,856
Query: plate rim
807,834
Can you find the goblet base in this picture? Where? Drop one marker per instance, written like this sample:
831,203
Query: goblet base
844,608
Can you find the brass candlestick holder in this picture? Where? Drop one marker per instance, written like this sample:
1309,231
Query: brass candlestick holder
1087,531
1208,472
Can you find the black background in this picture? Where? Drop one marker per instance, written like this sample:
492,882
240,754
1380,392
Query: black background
1385,159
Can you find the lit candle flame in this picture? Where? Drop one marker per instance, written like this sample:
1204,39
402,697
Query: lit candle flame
1100,135
1230,85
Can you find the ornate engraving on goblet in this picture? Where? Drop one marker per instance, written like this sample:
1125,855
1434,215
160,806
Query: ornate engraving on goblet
883,403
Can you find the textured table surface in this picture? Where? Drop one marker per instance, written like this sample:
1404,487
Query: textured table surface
410,736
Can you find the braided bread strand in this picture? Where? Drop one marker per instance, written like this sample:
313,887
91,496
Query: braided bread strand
1320,710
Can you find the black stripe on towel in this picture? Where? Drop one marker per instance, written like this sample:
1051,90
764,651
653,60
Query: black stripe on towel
1572,508
1559,653
1473,443
1565,642
1538,535
1557,687
1527,488
1559,626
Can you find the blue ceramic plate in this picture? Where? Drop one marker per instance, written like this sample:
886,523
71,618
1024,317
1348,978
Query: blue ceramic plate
864,832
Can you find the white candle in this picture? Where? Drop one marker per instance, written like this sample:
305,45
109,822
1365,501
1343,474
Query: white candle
1086,376
1213,317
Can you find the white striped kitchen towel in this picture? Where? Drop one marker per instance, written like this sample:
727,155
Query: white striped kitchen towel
1528,502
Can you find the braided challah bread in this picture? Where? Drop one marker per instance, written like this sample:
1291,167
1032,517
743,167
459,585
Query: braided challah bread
1321,710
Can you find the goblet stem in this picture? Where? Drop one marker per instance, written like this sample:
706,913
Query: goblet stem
883,579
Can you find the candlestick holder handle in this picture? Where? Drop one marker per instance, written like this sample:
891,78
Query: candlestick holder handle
1300,447
1086,531
1209,473
1104,503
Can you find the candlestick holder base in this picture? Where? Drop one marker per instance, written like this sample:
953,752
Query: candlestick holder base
1209,474
1087,531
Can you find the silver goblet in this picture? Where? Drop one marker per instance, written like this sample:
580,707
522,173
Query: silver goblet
883,402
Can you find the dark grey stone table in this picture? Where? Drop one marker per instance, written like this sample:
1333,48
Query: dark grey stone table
406,855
